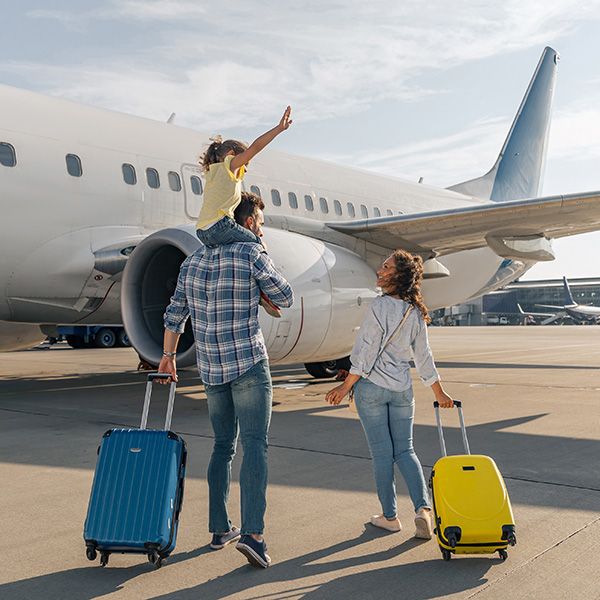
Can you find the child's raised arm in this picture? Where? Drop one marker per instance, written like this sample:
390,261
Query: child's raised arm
259,143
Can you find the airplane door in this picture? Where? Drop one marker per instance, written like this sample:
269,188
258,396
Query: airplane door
193,189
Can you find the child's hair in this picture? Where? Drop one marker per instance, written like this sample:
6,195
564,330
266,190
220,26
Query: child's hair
219,149
407,280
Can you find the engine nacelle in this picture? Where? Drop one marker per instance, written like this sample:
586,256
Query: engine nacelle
332,289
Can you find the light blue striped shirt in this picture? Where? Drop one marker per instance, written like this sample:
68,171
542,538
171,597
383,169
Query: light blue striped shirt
220,288
390,368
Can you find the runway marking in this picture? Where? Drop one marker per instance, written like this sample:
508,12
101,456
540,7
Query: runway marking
514,351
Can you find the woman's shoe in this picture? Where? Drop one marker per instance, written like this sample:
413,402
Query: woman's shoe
424,524
380,521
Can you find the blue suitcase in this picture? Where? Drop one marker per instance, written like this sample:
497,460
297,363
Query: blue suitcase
137,491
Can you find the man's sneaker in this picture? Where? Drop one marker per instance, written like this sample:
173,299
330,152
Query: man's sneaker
424,524
271,309
254,551
381,521
220,540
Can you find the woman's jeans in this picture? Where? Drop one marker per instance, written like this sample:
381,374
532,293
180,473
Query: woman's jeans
387,418
243,405
225,231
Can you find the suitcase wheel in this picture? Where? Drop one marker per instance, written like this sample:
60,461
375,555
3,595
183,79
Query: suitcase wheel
91,553
446,554
503,554
161,561
104,559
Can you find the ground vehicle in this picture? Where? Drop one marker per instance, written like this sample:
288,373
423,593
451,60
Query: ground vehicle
100,336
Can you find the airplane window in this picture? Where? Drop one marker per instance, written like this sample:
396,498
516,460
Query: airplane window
74,167
377,212
276,197
293,200
255,190
324,206
129,175
174,181
350,208
337,207
196,185
389,212
363,211
8,156
308,203
152,178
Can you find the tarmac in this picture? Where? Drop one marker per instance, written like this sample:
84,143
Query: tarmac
531,400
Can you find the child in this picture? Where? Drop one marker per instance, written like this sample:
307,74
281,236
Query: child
225,166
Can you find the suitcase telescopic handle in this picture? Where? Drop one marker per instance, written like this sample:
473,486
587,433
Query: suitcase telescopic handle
463,429
151,378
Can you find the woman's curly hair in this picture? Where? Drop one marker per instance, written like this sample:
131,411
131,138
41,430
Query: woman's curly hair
219,149
406,282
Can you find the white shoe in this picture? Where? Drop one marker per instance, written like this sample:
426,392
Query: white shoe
424,524
380,521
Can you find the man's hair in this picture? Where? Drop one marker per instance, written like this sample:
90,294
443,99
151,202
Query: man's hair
247,207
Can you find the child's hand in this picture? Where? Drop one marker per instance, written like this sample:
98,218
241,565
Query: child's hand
285,120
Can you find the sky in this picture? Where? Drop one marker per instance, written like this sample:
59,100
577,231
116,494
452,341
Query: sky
409,89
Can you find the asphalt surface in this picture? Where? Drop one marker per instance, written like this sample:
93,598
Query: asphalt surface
531,399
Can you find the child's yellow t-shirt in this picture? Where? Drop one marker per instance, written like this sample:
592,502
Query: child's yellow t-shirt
222,193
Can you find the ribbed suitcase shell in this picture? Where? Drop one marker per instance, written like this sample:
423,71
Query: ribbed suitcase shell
469,493
137,492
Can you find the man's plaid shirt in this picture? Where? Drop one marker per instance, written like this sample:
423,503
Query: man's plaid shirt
220,289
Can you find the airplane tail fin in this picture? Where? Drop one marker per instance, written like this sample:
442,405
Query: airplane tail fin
518,170
568,298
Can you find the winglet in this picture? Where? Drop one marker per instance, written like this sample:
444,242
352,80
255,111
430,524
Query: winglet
518,171
568,298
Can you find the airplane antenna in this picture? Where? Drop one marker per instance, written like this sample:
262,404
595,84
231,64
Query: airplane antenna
420,180
171,119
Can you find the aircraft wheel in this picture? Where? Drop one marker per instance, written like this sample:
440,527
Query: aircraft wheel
322,370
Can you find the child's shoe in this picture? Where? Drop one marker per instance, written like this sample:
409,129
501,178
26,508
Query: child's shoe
271,309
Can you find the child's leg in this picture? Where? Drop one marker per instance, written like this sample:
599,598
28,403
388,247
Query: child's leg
226,231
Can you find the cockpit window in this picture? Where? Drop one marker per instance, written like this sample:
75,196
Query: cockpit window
8,156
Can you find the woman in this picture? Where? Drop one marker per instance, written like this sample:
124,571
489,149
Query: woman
380,375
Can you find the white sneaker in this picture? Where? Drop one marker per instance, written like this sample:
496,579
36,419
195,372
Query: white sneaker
381,521
424,524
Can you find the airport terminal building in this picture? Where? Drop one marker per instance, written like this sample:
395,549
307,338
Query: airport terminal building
502,307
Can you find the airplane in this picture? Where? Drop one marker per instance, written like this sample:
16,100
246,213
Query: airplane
580,313
100,210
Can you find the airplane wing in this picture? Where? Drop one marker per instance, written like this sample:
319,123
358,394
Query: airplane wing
448,231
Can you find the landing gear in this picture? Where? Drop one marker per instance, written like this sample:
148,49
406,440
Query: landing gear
328,368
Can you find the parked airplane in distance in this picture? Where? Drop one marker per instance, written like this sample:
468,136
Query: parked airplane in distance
580,313
99,210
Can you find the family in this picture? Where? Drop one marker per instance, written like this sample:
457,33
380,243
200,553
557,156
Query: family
221,287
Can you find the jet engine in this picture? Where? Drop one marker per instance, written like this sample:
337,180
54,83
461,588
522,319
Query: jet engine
332,289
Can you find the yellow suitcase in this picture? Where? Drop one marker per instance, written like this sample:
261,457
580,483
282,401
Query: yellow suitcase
472,509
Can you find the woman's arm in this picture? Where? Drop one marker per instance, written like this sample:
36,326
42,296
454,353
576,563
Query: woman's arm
336,395
444,400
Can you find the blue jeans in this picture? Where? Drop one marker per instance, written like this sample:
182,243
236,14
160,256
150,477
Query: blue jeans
225,231
387,419
242,405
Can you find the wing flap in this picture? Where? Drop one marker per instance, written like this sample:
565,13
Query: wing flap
448,231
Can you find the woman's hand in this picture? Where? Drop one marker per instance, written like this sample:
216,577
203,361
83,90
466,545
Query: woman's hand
443,399
336,395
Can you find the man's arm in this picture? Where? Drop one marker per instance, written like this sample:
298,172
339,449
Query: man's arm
167,363
271,282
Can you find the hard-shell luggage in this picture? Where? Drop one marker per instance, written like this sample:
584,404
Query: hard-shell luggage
137,491
472,509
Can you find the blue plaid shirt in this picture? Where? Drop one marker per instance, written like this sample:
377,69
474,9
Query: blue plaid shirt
220,288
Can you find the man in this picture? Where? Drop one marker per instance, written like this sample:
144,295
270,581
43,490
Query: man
220,289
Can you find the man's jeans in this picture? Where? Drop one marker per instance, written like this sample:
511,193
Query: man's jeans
387,419
243,405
